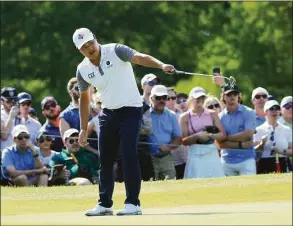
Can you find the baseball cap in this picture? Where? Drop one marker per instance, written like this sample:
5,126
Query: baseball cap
19,129
286,100
41,133
269,104
46,100
82,36
197,92
259,90
22,97
148,77
230,88
159,90
8,93
69,132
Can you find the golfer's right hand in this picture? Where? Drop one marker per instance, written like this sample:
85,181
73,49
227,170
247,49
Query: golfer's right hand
82,138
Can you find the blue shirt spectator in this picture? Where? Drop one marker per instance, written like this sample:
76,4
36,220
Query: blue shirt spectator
242,120
21,161
259,120
164,127
71,116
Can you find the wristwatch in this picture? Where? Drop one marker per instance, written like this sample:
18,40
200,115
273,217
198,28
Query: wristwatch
36,155
240,145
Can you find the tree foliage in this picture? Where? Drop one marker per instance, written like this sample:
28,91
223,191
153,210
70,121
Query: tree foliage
251,41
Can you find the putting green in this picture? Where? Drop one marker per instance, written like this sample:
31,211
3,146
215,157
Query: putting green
232,200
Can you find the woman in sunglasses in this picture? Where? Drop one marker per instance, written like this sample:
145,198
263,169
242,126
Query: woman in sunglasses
212,103
44,142
274,140
287,106
203,160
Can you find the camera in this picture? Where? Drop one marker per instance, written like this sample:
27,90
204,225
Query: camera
15,103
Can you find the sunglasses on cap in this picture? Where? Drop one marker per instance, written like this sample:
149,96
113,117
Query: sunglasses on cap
275,108
264,96
183,101
44,137
48,106
212,106
288,106
161,97
171,98
26,103
151,83
71,140
24,136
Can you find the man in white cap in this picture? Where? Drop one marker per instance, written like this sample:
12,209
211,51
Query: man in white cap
286,105
165,136
20,163
108,68
258,98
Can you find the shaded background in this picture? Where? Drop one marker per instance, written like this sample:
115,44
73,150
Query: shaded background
251,41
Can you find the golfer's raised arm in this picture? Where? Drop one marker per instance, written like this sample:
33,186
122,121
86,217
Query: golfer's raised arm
150,61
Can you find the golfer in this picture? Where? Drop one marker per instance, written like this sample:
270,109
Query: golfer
108,68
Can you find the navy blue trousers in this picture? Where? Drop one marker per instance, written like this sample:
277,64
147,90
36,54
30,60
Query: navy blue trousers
119,128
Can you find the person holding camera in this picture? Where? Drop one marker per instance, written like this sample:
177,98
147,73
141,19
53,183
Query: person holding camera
200,127
21,163
82,164
9,113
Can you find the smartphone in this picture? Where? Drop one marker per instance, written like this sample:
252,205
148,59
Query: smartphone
216,70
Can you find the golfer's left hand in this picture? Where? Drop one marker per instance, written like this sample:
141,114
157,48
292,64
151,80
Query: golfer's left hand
168,68
82,139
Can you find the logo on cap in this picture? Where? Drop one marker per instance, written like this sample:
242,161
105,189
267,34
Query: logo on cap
11,93
80,36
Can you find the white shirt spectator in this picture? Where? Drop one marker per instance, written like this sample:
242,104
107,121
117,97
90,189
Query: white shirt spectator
33,127
282,137
9,141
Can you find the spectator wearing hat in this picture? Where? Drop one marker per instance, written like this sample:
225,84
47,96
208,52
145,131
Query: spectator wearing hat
25,102
44,142
286,110
273,138
21,163
32,113
51,111
203,160
147,83
181,102
83,165
259,97
239,121
165,136
9,115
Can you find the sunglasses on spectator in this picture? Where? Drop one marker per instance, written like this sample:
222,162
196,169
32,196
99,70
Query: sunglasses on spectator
275,108
43,138
161,97
71,141
21,137
264,96
26,103
183,101
151,83
75,88
171,98
48,106
212,106
288,106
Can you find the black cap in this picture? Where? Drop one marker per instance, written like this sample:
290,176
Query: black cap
8,93
22,97
41,133
230,88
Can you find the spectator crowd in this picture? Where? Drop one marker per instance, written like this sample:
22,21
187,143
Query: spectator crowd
182,136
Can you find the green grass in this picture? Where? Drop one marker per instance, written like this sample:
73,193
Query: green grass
271,187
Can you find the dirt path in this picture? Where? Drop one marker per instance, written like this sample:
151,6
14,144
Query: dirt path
262,213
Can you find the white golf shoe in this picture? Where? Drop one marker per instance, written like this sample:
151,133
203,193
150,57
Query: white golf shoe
130,209
99,211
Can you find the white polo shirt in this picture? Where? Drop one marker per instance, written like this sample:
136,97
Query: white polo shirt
4,119
33,127
282,137
114,78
